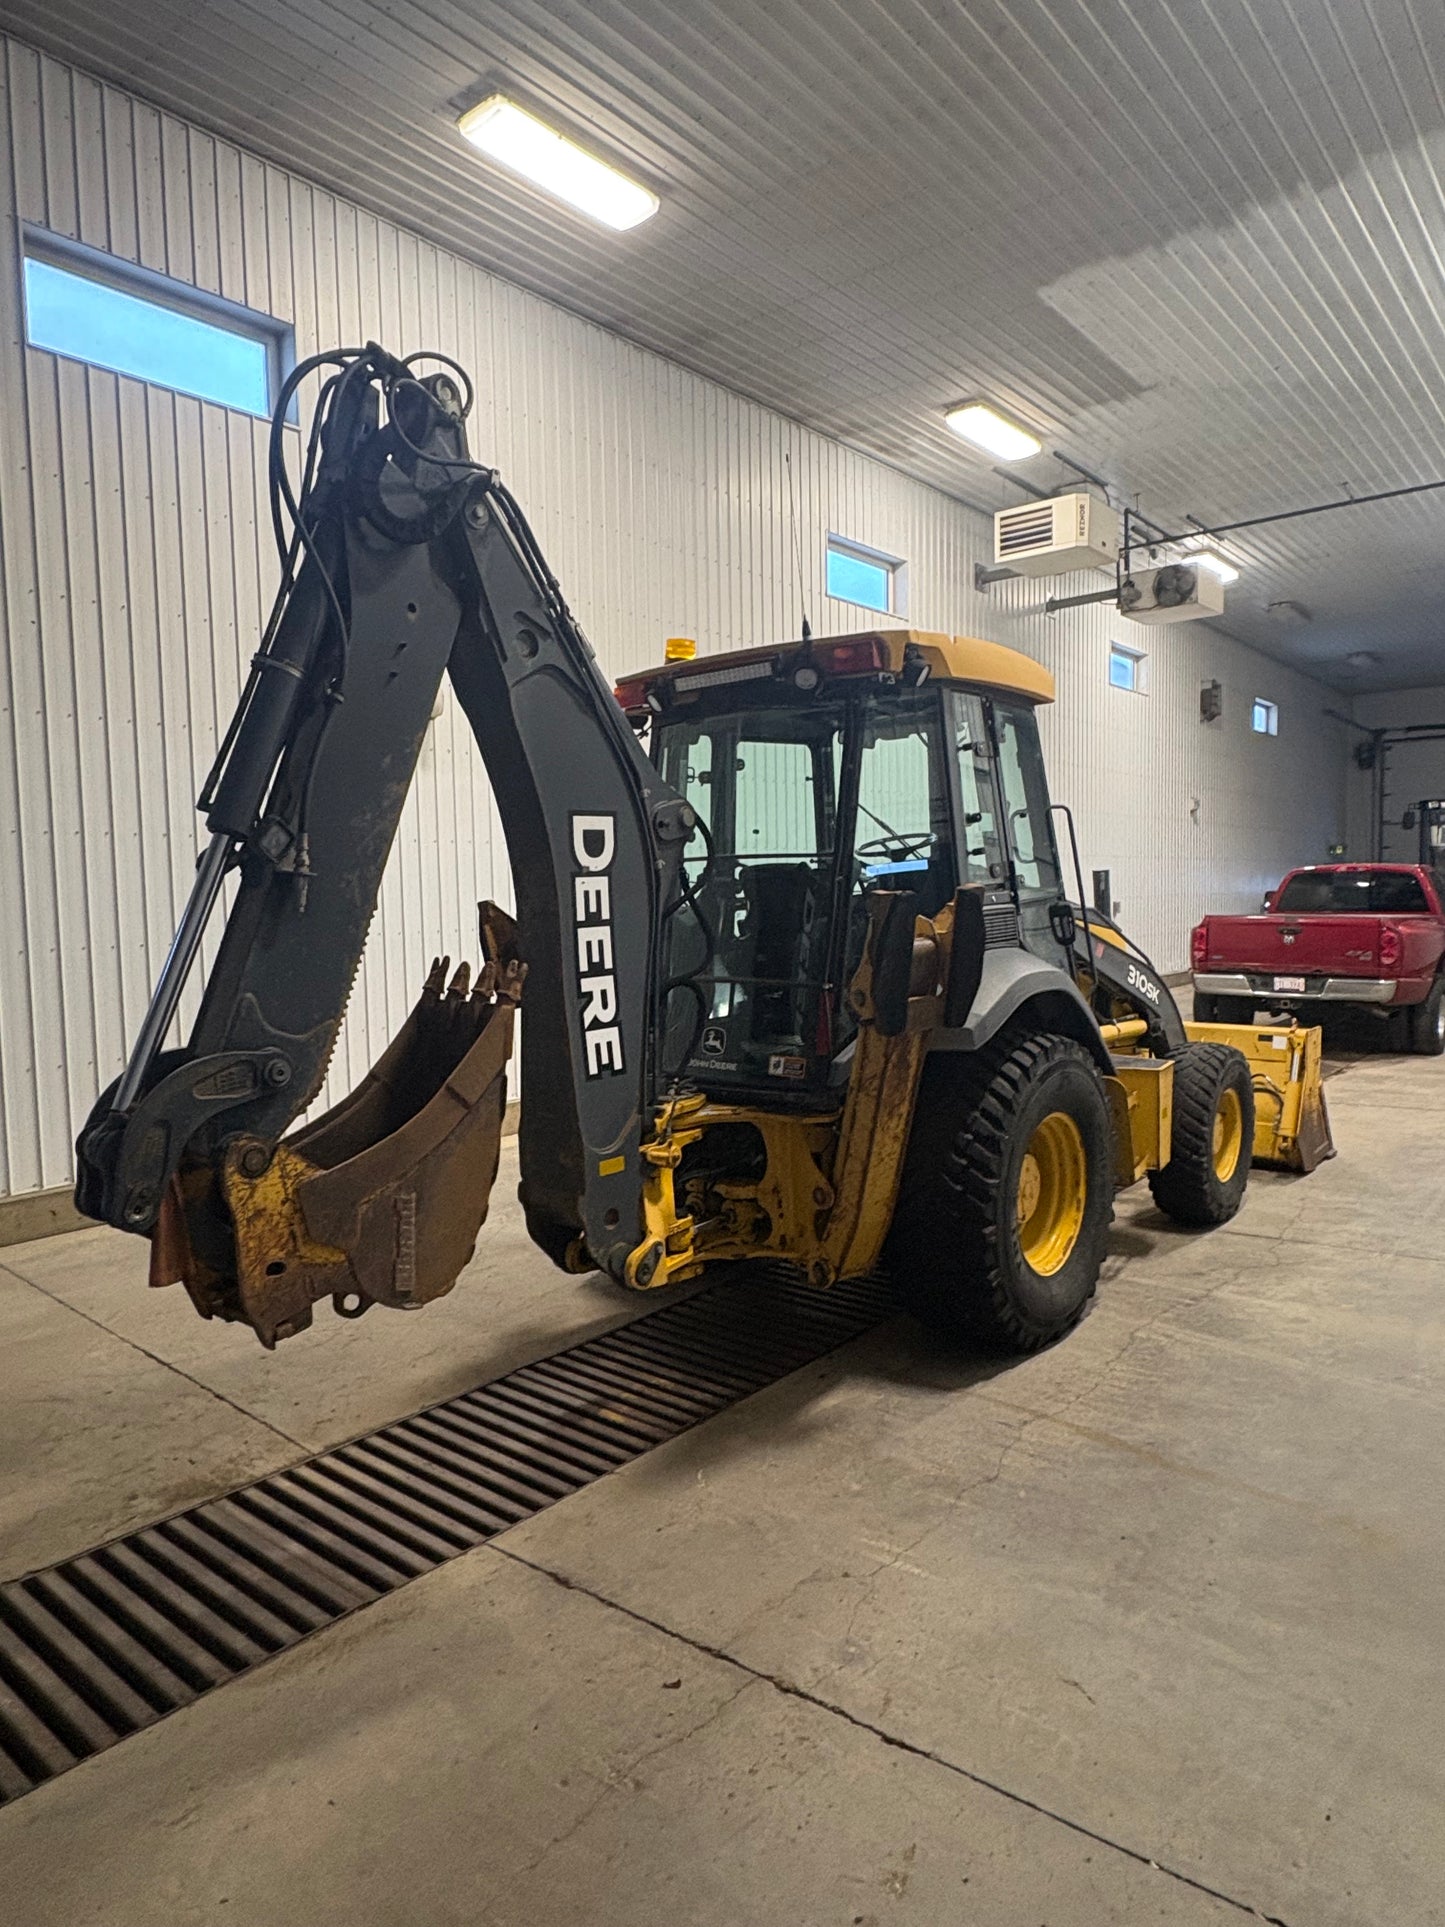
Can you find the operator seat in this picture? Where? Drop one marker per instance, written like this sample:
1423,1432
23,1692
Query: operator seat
774,943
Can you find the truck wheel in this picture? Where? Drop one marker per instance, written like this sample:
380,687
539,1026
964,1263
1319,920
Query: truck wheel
1427,1024
1222,1010
1007,1194
1213,1137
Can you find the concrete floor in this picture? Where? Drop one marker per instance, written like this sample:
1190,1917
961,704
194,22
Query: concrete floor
1147,1629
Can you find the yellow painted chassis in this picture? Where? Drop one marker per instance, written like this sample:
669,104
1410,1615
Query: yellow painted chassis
824,1201
1291,1130
830,1184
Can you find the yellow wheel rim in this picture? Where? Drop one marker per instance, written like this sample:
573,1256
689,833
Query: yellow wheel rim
1053,1189
1228,1136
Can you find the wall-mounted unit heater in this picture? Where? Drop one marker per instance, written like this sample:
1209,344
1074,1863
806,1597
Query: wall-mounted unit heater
1179,592
1056,536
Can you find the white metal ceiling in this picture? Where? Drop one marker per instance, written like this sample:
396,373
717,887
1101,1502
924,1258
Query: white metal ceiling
1200,244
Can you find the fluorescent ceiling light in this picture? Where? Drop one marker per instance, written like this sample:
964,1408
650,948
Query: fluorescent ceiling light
505,132
1216,564
992,432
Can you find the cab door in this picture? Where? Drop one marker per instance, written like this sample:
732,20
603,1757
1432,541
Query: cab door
983,857
1028,827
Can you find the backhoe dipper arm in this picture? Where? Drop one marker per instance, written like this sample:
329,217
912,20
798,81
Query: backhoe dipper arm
407,559
595,839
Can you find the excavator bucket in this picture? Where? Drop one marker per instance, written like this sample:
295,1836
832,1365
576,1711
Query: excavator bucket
1291,1118
378,1201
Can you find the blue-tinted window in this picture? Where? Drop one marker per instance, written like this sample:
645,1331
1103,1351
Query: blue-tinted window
1264,718
857,575
1127,668
133,332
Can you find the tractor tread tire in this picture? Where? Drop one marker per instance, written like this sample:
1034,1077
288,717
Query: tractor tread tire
954,1262
1188,1189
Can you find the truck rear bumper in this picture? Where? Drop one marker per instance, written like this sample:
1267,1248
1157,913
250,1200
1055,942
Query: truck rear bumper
1335,990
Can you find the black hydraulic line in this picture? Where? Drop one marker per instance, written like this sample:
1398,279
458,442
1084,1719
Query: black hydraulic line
687,898
182,954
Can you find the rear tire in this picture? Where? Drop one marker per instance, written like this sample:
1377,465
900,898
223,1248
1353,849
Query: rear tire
1007,1194
1209,1009
1213,1138
1426,1024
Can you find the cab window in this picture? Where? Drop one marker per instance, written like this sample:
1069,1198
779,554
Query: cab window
980,838
903,841
1346,892
1024,791
774,810
752,934
693,773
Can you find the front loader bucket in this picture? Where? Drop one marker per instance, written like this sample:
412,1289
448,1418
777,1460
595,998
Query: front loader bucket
1291,1118
379,1201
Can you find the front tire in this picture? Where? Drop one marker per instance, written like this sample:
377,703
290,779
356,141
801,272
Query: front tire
1007,1194
1212,1140
1426,1024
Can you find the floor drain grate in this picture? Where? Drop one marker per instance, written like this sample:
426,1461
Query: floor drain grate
99,1646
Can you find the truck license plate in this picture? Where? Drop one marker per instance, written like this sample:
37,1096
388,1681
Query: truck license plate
1289,983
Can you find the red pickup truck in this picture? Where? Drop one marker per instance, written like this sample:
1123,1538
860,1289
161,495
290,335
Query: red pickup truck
1369,935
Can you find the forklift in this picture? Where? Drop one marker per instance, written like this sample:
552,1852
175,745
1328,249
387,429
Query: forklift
799,972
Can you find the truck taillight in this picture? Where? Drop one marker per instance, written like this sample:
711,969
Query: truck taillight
1198,946
1391,947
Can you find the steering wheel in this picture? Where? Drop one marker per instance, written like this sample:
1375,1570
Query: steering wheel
896,849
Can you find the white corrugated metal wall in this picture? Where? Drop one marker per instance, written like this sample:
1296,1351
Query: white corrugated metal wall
135,569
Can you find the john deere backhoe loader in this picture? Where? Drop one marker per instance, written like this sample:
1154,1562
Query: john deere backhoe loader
799,974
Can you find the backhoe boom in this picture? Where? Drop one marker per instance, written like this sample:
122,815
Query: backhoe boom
407,560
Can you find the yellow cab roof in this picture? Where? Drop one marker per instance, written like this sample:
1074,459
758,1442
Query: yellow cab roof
958,659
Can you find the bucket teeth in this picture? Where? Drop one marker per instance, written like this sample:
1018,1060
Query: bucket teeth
498,933
504,969
379,1200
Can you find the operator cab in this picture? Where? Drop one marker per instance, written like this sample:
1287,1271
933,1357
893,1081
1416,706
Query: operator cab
820,773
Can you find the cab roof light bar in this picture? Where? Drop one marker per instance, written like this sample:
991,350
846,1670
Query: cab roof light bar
850,656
